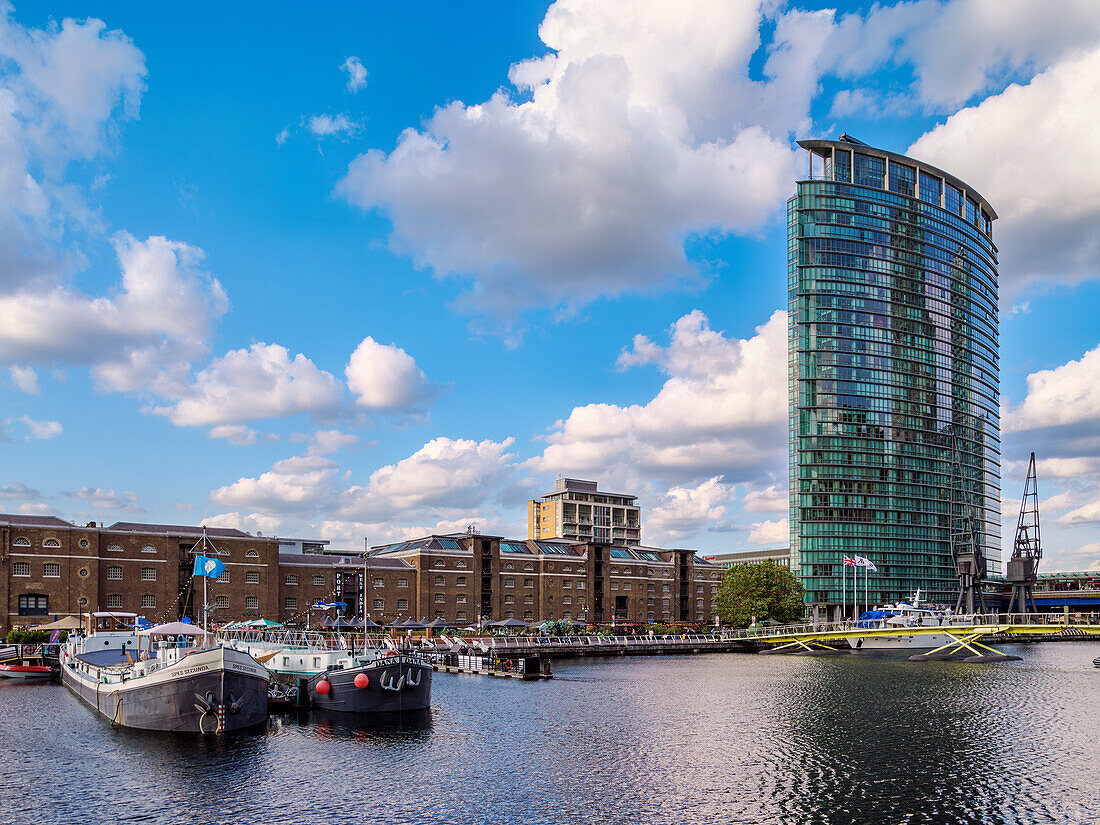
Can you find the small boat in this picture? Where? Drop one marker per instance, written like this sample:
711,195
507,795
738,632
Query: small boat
338,677
24,662
1096,662
168,677
905,615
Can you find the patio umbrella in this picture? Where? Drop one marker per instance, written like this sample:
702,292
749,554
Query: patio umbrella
337,624
438,624
66,623
263,623
512,623
370,624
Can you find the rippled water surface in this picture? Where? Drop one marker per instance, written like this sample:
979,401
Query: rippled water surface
725,738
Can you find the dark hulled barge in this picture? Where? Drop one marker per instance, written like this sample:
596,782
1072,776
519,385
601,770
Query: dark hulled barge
165,678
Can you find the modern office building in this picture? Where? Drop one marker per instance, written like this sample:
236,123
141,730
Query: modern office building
576,510
893,373
780,556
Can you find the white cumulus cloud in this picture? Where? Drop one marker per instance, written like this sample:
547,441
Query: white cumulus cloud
339,125
776,531
25,380
641,127
107,499
444,477
1047,197
722,411
161,315
262,381
357,73
683,511
1067,394
386,378
294,484
61,91
41,430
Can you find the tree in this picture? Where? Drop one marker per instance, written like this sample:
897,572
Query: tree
760,591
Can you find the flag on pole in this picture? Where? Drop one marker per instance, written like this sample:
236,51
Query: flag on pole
205,566
327,605
863,561
850,562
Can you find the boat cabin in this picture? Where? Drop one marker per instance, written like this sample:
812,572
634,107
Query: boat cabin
107,622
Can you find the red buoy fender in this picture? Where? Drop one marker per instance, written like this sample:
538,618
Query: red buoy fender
323,687
362,680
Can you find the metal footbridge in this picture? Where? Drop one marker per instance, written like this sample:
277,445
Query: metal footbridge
967,639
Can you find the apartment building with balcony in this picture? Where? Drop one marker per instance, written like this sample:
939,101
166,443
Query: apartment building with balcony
576,510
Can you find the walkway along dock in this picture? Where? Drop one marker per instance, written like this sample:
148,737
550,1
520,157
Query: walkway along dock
802,638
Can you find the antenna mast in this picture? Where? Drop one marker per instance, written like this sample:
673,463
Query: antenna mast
1023,567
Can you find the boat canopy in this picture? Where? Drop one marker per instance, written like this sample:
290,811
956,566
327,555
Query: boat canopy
173,629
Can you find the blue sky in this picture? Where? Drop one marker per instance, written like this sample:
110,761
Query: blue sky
392,269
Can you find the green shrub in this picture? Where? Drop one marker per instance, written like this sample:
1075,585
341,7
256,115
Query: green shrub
31,637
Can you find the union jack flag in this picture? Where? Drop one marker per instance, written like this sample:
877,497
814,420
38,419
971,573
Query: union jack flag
850,562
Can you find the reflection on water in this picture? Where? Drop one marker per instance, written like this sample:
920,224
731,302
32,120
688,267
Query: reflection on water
705,739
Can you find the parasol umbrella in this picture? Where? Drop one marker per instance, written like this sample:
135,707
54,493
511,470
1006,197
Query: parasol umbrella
339,623
66,623
262,623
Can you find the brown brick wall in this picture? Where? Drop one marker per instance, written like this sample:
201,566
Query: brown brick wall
84,583
73,590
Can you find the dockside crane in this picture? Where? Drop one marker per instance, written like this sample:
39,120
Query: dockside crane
1023,567
966,539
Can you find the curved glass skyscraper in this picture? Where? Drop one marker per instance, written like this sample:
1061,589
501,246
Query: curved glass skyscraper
893,373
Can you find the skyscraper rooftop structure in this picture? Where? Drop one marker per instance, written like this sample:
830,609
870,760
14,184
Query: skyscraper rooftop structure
893,374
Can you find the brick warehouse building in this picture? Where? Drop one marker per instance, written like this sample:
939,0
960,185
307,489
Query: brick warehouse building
50,567
463,577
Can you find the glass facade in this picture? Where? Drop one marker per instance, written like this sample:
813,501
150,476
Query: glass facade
893,369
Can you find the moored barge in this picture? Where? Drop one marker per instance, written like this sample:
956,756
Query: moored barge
165,678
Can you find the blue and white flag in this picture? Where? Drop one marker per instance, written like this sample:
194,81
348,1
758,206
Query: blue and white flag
211,568
327,605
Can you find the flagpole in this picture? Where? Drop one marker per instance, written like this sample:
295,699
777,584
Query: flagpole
843,588
364,605
204,578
